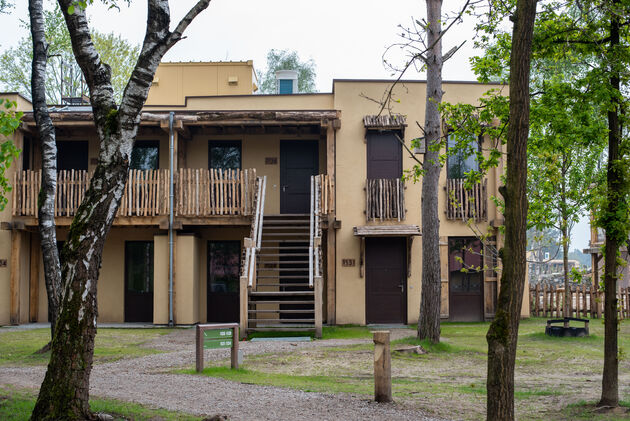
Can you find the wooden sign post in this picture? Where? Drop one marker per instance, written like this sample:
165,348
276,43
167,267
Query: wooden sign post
213,336
382,367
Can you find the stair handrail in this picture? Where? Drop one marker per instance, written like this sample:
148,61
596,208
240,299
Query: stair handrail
256,231
315,232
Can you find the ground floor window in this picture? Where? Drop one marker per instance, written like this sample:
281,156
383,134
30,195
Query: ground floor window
224,258
139,281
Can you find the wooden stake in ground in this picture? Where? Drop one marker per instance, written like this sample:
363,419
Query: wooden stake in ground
382,367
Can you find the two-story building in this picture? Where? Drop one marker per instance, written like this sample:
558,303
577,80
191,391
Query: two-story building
289,210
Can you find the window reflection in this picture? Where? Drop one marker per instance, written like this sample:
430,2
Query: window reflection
145,155
224,265
461,161
224,154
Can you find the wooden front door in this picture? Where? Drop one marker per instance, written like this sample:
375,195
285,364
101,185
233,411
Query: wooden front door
465,287
386,280
224,260
139,281
298,162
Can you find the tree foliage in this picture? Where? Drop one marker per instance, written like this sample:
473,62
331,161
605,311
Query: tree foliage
287,60
9,122
62,70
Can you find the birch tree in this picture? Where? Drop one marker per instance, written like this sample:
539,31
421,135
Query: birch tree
65,390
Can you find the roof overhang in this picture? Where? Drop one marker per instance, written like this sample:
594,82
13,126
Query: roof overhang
385,122
387,231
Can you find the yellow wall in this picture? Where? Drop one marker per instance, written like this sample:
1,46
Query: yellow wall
173,82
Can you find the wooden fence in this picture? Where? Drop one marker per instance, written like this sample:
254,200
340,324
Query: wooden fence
385,199
326,193
198,192
586,301
465,204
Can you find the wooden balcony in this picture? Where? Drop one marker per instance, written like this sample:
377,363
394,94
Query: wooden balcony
198,193
466,204
385,199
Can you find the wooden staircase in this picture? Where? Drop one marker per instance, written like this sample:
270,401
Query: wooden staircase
283,299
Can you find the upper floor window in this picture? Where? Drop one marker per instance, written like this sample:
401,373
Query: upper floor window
461,161
72,155
145,155
225,154
384,154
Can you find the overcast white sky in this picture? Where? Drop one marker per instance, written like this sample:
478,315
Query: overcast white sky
345,38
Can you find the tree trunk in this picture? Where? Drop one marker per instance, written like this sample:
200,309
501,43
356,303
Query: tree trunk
429,321
65,391
46,199
503,333
616,205
564,228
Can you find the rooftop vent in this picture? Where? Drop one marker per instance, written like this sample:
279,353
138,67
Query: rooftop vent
286,82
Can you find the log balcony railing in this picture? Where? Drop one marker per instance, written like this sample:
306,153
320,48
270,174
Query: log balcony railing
465,204
385,199
198,192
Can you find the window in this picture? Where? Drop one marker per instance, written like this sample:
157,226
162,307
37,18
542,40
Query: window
72,155
224,154
286,86
461,161
384,155
145,155
224,259
139,266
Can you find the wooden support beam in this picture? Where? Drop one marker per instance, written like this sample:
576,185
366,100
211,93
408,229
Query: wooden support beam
382,367
318,306
34,279
331,234
16,244
243,298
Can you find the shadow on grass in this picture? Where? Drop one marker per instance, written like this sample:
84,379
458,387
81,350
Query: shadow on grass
583,410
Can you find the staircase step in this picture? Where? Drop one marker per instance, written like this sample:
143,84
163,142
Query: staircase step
291,285
282,320
281,262
302,269
281,311
285,248
285,234
281,302
286,241
279,293
278,276
282,254
286,227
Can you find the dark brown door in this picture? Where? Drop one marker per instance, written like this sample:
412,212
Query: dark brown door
139,281
298,162
465,266
224,260
384,155
386,280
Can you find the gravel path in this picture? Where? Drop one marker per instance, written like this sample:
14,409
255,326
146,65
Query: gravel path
147,380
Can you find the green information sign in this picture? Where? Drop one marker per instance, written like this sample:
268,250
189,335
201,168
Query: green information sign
217,338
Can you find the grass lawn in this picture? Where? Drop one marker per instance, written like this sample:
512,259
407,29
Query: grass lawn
18,347
556,378
17,406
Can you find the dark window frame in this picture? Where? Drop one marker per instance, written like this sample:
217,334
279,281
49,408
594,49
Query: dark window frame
127,262
225,143
148,144
448,157
209,263
368,133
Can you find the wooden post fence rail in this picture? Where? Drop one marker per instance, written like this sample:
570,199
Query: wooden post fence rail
385,199
586,301
198,192
465,204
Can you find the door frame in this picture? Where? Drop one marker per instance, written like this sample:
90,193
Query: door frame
209,290
126,279
405,298
482,283
283,163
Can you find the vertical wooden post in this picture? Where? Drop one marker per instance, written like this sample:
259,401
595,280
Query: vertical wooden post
16,244
199,348
382,367
235,340
331,233
318,306
34,279
243,306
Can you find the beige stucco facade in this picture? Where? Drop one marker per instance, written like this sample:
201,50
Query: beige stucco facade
193,88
